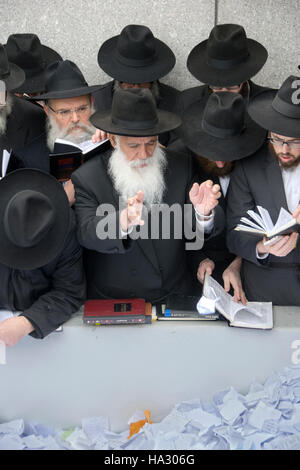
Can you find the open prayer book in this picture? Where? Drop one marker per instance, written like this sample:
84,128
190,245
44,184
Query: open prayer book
68,156
261,223
253,315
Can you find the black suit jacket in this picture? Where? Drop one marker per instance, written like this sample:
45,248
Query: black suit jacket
35,154
167,101
257,180
116,267
25,122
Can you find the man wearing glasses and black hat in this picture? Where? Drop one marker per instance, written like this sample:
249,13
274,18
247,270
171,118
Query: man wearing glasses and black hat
270,179
68,105
114,190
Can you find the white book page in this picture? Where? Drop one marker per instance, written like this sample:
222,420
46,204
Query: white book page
252,315
257,219
5,160
246,228
248,316
85,146
284,218
266,218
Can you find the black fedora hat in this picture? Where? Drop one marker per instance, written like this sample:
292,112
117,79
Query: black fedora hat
12,75
279,111
135,56
26,51
134,113
221,130
227,57
35,218
65,80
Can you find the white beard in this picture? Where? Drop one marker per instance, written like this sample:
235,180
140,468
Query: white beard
4,113
55,132
129,177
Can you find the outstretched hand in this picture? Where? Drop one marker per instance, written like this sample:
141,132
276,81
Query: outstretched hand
204,197
132,214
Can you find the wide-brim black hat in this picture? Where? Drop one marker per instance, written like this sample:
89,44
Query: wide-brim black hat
134,113
220,129
12,75
227,57
26,51
279,110
15,251
65,80
135,56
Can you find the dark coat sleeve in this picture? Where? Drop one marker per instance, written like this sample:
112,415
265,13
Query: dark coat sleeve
240,200
67,291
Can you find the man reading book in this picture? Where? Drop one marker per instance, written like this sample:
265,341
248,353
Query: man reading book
118,198
269,179
68,105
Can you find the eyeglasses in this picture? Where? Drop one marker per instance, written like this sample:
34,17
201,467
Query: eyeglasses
67,113
293,144
228,88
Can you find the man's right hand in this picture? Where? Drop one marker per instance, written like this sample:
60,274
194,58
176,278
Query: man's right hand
99,136
132,215
206,266
281,248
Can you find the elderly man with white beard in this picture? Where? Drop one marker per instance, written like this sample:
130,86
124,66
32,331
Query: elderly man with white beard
68,105
117,195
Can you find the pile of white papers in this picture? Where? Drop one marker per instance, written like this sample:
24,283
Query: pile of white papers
267,417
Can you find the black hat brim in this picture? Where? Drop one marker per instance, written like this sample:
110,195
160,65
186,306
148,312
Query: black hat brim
261,110
162,63
199,67
36,83
166,122
215,148
15,78
52,244
72,93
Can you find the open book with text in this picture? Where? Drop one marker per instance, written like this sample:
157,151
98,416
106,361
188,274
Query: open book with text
68,156
253,315
261,223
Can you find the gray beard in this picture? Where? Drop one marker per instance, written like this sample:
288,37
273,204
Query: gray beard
55,132
4,113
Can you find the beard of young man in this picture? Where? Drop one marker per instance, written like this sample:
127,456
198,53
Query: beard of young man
145,175
4,113
293,163
82,133
210,167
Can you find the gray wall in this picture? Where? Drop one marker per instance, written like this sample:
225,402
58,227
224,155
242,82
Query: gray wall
77,28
